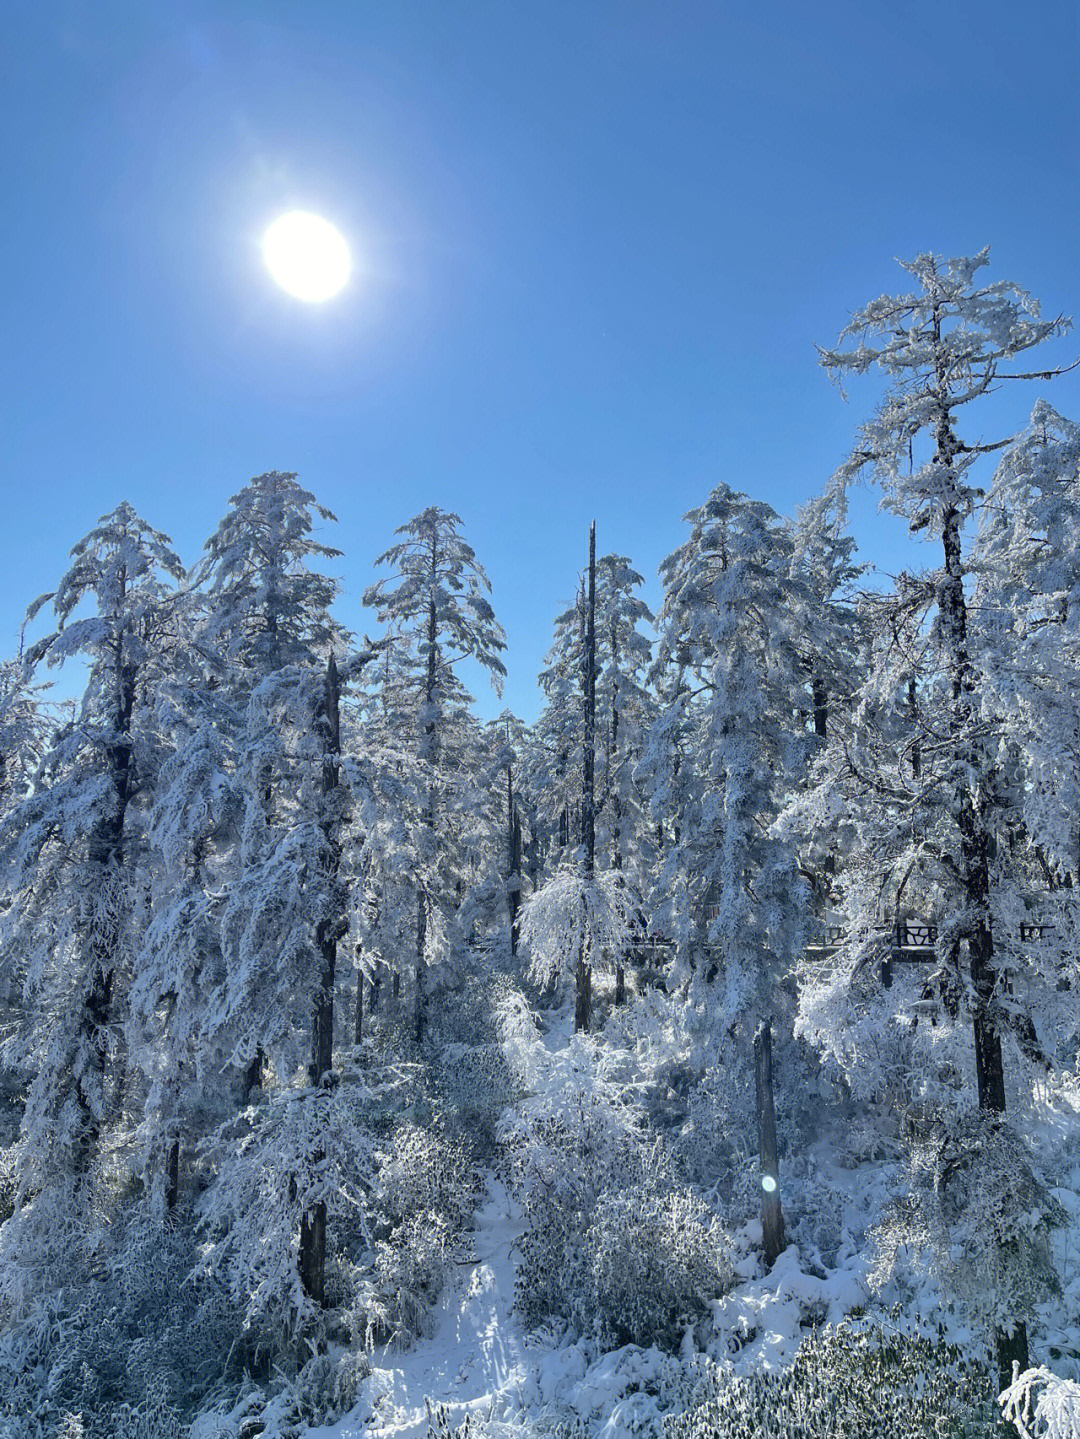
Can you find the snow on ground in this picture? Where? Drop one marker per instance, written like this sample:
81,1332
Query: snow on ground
477,1359
473,1359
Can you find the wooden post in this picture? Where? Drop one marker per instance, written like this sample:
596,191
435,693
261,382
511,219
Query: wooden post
772,1217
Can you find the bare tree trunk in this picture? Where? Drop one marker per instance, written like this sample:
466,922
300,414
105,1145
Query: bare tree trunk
253,1075
583,978
513,866
821,706
772,1217
358,1014
312,1258
172,1175
582,994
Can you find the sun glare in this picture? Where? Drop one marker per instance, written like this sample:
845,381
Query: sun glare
307,256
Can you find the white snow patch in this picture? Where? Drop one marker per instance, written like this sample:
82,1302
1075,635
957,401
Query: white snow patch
473,1360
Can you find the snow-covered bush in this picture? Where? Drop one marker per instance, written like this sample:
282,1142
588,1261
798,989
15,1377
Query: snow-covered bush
427,1190
578,1135
975,1222
1056,1411
612,1243
472,1085
846,1385
323,1389
409,1271
130,1345
656,1259
424,1170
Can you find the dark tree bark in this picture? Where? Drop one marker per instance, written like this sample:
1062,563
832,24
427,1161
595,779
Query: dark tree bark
821,706
583,978
253,1075
358,1013
513,865
172,1175
312,1258
772,1217
106,855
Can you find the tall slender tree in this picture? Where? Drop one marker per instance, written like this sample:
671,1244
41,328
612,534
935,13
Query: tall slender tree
435,605
72,856
945,346
729,621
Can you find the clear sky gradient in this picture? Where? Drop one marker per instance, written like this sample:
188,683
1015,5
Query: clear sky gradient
596,243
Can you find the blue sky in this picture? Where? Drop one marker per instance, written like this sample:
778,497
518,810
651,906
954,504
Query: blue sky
596,242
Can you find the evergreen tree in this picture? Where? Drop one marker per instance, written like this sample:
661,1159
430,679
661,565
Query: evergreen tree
944,346
73,853
729,620
435,605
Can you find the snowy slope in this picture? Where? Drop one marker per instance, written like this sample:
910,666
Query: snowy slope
478,1361
473,1360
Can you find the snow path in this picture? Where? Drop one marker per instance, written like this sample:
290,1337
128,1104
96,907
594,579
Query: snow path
474,1355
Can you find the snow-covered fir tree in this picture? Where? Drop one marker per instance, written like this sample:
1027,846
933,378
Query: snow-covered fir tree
435,606
73,855
938,824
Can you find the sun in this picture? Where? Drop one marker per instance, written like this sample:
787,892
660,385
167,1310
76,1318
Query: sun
307,256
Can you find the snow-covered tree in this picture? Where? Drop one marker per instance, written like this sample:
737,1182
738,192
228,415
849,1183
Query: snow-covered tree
590,737
268,622
72,853
284,910
943,346
435,606
625,708
556,758
25,723
729,621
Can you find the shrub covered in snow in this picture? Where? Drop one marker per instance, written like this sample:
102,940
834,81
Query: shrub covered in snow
975,1220
126,1349
847,1385
656,1258
424,1170
428,1188
407,1275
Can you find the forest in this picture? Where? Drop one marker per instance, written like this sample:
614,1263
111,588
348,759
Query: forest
700,1060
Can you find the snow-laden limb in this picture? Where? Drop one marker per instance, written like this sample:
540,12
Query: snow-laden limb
301,1147
1056,1411
574,914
